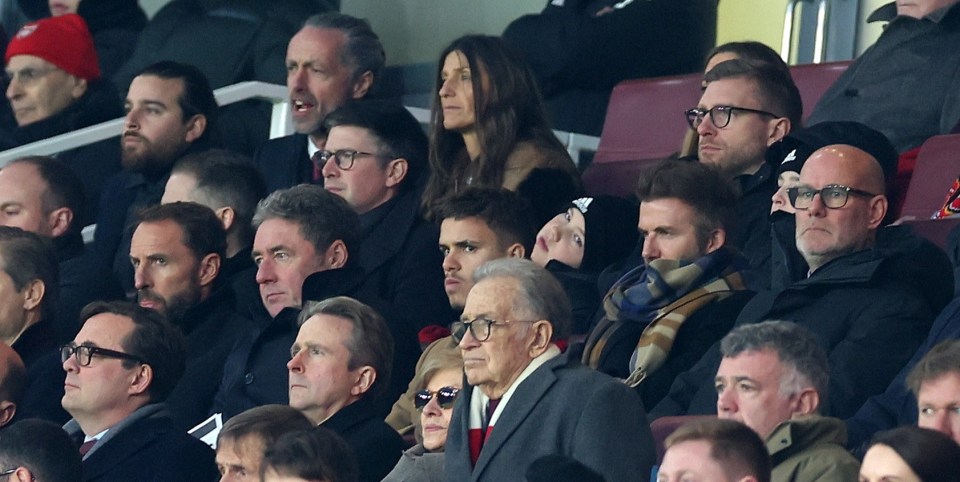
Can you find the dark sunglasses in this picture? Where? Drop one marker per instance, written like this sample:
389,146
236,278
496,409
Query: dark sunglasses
445,397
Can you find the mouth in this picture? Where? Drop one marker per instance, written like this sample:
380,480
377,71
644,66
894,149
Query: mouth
451,284
301,106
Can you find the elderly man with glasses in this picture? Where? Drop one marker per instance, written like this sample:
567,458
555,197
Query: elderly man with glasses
870,294
120,368
524,399
744,109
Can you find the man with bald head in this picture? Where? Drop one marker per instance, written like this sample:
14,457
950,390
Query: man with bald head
864,294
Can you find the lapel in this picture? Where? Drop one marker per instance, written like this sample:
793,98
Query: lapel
131,440
518,408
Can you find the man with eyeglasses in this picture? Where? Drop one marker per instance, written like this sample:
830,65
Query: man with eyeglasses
120,368
376,159
867,294
744,109
305,250
333,59
524,399
53,86
339,365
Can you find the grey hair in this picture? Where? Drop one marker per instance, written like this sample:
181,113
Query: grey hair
539,295
363,50
803,358
322,217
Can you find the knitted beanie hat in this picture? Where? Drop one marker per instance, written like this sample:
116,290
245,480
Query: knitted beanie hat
63,41
610,231
793,150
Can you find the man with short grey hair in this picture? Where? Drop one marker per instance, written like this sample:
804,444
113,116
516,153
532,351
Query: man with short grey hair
773,377
334,58
524,399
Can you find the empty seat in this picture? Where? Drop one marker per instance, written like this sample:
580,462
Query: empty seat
813,80
937,166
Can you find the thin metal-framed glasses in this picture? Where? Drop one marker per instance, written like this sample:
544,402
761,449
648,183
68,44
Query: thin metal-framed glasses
446,396
343,158
85,353
7,472
719,115
480,328
833,196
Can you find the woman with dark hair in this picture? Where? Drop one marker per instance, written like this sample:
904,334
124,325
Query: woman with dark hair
488,129
911,454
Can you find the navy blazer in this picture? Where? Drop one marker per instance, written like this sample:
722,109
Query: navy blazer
284,162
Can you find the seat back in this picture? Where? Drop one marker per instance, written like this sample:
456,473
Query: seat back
813,80
937,166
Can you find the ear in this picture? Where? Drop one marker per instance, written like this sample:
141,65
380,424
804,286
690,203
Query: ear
542,333
227,217
716,239
23,474
516,250
7,410
59,221
336,255
365,379
143,378
33,294
779,129
196,125
808,401
878,210
362,85
209,269
396,172
79,88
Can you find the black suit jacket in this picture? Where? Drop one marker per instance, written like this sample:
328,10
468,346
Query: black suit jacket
284,162
377,446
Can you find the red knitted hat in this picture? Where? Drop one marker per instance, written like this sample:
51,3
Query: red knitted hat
64,41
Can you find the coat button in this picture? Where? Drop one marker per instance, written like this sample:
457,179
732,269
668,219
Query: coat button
248,379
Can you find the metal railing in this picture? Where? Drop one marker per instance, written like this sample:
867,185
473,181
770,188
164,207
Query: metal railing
280,124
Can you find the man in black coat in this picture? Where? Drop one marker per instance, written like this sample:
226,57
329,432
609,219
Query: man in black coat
870,296
341,361
332,59
177,251
55,88
120,368
304,249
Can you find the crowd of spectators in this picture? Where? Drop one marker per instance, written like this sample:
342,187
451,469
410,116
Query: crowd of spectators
364,301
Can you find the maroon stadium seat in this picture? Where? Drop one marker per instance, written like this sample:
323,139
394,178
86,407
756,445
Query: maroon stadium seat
938,165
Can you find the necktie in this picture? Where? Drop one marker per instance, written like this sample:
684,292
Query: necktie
86,446
317,168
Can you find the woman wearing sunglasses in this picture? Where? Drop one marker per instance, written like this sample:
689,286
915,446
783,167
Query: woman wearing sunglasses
443,379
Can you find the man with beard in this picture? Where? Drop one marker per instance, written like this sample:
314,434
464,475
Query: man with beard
744,109
176,251
171,111
334,58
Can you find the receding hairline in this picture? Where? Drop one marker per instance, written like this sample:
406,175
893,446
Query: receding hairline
866,168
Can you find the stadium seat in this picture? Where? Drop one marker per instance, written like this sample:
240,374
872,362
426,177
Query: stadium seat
813,80
937,166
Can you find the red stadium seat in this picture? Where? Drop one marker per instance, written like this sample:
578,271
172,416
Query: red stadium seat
937,166
813,80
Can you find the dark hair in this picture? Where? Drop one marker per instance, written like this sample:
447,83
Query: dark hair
942,359
803,358
64,189
267,423
197,97
398,132
200,229
538,296
508,109
370,340
323,217
13,385
703,187
751,50
736,447
225,178
314,454
506,214
153,339
363,50
42,447
932,455
27,257
778,94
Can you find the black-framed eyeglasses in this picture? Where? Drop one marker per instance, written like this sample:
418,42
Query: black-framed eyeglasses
445,397
343,158
720,115
480,328
834,196
84,353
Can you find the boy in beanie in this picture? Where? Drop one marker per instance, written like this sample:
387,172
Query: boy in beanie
582,240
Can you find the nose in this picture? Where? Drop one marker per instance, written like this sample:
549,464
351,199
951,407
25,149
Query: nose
14,89
141,279
295,365
468,341
130,121
554,233
780,201
726,403
295,79
706,126
70,364
330,168
817,208
650,250
432,408
446,88
450,263
265,272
